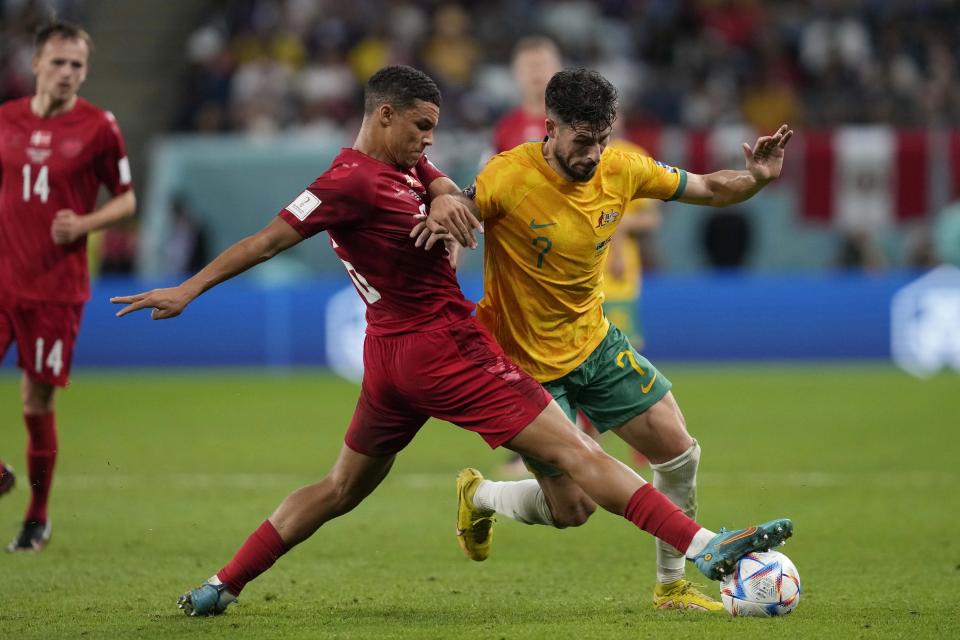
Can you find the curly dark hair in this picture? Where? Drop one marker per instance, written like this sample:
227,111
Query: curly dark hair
576,96
400,86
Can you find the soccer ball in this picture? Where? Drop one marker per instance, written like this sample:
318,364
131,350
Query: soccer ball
763,584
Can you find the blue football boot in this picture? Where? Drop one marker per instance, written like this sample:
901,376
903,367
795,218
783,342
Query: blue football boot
209,599
721,554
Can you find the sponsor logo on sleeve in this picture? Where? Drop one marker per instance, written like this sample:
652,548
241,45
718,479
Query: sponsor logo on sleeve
666,166
304,205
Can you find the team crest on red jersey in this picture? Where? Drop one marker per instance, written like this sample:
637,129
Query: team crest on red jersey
607,217
71,147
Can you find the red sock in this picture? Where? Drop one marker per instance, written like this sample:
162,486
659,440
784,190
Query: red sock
654,513
257,554
41,458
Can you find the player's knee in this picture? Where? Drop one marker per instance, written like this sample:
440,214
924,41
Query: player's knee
37,398
574,515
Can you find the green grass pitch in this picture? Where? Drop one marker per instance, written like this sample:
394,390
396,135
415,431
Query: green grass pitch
163,475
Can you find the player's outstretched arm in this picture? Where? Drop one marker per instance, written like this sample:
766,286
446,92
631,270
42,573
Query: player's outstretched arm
764,162
169,303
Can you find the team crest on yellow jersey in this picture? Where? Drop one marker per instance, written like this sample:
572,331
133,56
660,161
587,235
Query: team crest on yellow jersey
607,217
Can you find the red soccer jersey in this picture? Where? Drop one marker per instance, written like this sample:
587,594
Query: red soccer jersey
516,128
368,209
49,164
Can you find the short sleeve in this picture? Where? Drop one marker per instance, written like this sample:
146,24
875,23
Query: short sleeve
334,199
489,189
111,163
427,172
652,179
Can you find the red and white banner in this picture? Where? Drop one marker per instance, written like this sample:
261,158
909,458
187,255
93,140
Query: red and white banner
853,177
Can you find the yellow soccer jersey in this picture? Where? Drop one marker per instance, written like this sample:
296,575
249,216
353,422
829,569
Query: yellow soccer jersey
545,244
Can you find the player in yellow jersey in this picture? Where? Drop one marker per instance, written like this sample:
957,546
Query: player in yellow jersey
549,211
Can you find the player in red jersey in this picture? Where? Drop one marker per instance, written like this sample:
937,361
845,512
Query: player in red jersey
424,355
56,150
535,60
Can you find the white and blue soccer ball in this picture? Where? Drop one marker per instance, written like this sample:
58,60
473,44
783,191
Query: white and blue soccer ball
763,584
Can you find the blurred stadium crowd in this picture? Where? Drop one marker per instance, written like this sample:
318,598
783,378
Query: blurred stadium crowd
275,64
262,66
281,63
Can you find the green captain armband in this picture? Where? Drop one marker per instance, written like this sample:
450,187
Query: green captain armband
680,186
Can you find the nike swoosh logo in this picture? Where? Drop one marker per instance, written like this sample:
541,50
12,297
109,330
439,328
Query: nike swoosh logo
646,387
534,225
743,534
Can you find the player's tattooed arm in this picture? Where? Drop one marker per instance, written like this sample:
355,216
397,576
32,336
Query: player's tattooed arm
764,162
261,246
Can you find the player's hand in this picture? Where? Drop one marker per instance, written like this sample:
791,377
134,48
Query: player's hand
166,303
765,158
426,238
450,214
67,227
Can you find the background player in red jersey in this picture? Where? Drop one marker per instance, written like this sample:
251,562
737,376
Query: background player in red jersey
424,355
56,149
535,60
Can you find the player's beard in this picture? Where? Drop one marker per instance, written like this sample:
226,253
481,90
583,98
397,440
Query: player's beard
577,174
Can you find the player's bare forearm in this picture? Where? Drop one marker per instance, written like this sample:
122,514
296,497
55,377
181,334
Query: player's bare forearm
251,251
764,162
113,211
721,188
169,303
69,227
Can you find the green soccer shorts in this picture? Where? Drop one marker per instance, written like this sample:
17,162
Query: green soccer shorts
614,384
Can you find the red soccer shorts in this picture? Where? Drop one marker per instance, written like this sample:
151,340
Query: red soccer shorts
458,374
46,333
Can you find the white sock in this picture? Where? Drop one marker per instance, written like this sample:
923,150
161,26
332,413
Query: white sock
521,500
700,541
676,479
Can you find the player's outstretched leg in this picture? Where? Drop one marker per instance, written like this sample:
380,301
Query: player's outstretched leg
722,552
7,479
618,489
352,478
474,526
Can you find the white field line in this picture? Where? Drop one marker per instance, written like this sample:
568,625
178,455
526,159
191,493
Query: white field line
746,480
